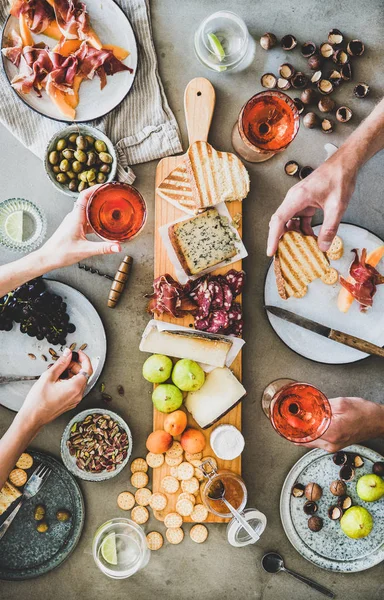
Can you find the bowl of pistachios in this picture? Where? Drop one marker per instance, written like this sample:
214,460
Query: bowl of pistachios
79,157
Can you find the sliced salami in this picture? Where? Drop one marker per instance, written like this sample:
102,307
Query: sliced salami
235,313
218,321
228,296
236,328
235,280
217,294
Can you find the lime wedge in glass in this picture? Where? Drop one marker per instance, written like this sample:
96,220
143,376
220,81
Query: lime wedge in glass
14,225
216,46
108,549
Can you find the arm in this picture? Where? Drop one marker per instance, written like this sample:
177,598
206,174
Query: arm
330,186
67,246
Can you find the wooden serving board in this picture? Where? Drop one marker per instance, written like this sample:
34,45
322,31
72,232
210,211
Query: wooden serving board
199,102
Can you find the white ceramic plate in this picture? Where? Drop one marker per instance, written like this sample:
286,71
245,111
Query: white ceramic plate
319,304
113,27
330,548
15,346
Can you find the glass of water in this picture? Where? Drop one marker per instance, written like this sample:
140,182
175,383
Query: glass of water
120,548
221,41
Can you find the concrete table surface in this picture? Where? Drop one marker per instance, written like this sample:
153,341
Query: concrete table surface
215,570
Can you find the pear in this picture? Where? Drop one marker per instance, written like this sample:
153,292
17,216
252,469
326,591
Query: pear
370,487
356,522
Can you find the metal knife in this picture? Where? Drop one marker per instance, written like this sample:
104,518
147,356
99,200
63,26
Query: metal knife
328,332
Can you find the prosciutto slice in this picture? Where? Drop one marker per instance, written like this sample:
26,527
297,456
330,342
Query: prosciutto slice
365,279
38,13
14,48
167,296
72,18
36,65
100,62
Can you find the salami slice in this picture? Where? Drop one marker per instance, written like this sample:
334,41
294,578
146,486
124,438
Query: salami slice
235,313
218,321
204,299
216,294
237,328
228,296
235,280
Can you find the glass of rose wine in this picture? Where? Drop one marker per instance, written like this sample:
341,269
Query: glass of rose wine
267,124
298,411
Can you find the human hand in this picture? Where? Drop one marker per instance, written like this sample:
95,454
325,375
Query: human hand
329,188
51,396
353,420
69,245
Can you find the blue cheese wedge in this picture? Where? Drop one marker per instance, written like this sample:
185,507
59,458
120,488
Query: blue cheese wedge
219,394
202,241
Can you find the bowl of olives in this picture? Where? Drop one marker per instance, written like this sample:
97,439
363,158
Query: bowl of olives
79,157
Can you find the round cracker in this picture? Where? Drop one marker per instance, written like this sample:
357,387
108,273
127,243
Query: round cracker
173,471
184,507
196,456
185,471
186,495
199,513
18,477
173,461
174,536
173,520
196,462
198,533
154,540
25,461
190,485
125,500
170,484
139,464
139,479
154,460
199,474
158,501
175,450
140,515
143,496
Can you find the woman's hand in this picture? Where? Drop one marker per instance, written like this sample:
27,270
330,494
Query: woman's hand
69,245
354,420
329,188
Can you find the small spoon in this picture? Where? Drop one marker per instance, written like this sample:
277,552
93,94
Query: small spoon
217,492
12,378
273,563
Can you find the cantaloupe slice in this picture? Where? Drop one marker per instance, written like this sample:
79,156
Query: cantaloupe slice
52,3
53,31
59,98
25,32
68,47
73,99
345,298
120,53
93,39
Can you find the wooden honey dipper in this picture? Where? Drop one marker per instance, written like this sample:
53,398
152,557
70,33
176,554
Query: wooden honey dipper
119,281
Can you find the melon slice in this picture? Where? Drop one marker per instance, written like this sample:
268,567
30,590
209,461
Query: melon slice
73,99
68,47
93,39
120,53
25,32
59,98
53,31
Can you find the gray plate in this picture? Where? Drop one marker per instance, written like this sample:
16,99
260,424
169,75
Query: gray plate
330,548
15,347
24,552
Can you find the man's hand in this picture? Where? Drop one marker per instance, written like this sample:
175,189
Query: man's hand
354,420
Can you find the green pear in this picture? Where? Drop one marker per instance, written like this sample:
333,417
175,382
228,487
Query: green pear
356,522
188,375
370,487
157,368
167,398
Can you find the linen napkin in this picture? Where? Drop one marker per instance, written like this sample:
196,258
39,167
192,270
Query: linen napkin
145,112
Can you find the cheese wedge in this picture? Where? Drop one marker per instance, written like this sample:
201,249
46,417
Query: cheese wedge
219,394
8,494
210,350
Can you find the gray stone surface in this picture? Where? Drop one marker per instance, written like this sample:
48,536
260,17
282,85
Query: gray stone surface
216,571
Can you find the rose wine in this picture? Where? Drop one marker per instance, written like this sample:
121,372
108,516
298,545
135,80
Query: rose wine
300,412
116,211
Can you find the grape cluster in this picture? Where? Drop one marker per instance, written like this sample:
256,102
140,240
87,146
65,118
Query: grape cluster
40,313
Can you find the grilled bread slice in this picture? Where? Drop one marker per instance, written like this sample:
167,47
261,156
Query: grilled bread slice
215,176
297,262
8,494
202,241
177,189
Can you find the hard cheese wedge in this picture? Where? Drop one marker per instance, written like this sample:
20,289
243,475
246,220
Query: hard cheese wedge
220,392
210,350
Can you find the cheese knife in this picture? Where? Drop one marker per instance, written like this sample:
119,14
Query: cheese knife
328,332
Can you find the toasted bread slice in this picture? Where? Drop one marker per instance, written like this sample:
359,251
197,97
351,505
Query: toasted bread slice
176,188
215,176
8,494
336,249
297,262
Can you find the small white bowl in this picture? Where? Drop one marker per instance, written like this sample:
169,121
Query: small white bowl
81,129
70,461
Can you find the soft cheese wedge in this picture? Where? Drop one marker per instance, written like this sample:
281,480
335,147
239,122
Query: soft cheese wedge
219,394
209,350
8,494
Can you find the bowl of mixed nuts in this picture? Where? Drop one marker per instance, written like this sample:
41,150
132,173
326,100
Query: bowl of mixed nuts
96,445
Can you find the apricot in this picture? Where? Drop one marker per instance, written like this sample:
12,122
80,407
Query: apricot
159,441
192,441
175,422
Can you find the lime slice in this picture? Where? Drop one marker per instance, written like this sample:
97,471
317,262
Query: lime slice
216,46
108,549
14,226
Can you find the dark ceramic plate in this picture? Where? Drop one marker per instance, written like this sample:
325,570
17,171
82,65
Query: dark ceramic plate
26,553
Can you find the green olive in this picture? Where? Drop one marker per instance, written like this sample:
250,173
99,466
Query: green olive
42,527
69,154
92,183
65,165
39,513
73,185
101,178
100,146
105,169
56,169
82,186
105,157
63,515
53,157
92,158
91,175
81,156
76,166
61,144
90,139
61,178
72,138
81,142
83,176
71,175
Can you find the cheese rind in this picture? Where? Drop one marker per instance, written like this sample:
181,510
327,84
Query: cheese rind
219,394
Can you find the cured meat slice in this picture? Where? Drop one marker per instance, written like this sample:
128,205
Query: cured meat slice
72,18
365,279
100,62
235,280
38,13
14,49
218,321
228,296
167,296
217,295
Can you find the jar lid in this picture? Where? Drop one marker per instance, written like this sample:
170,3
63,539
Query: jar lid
237,536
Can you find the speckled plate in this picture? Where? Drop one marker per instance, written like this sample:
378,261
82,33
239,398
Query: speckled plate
24,552
330,548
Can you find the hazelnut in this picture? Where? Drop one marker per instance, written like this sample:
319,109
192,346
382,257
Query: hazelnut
304,172
316,76
340,458
315,62
299,80
310,120
299,105
327,125
288,42
361,90
313,491
286,71
283,84
298,489
346,72
292,168
338,487
268,41
335,77
268,80
308,96
355,48
335,37
347,472
340,57
335,513
358,461
378,469
308,49
344,502
326,105
325,86
326,50
315,523
310,508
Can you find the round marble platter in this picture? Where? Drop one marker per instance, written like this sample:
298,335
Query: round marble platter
330,548
25,553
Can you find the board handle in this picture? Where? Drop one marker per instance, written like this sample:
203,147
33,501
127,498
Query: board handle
199,104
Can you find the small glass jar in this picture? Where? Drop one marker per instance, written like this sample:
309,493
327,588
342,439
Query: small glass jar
235,490
23,225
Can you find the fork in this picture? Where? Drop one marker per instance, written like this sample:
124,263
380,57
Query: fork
34,484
